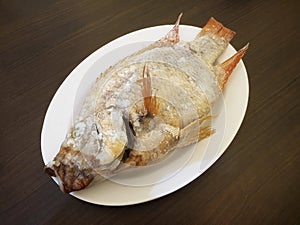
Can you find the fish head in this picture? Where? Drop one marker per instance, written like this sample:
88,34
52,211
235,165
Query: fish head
86,152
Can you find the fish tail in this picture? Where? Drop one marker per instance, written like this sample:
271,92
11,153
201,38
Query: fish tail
213,39
214,28
224,70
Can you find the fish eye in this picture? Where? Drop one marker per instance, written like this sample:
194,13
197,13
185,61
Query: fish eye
78,130
73,133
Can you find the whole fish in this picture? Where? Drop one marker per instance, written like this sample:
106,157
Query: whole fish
145,106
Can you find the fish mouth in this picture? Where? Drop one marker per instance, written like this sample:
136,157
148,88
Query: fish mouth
70,175
70,178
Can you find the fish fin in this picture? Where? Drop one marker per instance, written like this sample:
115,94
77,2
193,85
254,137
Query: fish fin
224,69
214,28
212,40
205,132
173,36
193,132
150,103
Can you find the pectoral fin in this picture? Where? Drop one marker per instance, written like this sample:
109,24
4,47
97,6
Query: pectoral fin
150,103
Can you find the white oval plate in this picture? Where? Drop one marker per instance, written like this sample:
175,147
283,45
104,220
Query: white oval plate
181,167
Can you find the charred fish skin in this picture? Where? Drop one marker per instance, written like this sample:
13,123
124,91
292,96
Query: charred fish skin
135,114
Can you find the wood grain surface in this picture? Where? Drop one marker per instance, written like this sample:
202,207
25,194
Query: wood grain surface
256,181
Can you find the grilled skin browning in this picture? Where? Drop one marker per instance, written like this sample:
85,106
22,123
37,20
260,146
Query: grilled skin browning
145,106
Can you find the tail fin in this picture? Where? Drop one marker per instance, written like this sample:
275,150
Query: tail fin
213,28
212,40
224,69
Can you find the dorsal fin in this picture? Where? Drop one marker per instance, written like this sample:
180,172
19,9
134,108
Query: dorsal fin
173,36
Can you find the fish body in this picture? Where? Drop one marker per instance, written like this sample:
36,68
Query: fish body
145,106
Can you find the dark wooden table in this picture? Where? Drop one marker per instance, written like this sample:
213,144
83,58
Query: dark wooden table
256,181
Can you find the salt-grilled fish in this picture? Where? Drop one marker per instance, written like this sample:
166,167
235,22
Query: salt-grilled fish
145,106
